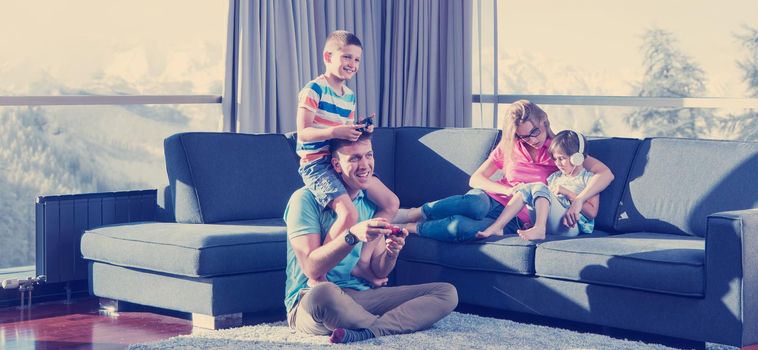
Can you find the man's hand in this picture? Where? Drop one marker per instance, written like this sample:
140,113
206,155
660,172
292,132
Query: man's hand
369,230
383,258
395,243
347,132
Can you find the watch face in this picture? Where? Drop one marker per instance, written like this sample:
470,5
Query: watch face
351,239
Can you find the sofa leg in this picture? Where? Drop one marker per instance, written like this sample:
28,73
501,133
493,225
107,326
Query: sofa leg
110,307
217,322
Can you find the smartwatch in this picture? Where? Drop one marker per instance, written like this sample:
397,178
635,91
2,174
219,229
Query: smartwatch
351,239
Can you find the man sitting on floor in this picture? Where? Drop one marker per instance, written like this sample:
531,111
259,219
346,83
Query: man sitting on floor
346,307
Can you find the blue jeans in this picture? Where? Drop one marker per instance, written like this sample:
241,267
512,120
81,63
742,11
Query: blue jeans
458,218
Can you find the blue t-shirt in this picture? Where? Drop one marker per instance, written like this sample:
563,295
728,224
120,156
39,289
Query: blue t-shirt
303,216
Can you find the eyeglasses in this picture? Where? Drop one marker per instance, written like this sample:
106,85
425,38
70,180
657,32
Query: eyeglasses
534,133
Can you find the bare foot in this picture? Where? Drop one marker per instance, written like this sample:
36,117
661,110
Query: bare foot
412,228
401,217
534,233
490,231
415,215
366,274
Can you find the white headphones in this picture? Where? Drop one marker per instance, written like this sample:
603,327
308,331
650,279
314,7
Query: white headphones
577,158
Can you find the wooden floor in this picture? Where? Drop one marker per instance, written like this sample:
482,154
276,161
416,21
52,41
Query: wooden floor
79,325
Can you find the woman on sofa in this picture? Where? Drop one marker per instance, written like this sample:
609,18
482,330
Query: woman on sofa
523,157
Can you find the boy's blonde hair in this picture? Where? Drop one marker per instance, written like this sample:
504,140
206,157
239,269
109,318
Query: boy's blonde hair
339,39
518,113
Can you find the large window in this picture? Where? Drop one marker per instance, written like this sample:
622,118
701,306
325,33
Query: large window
99,48
139,47
665,56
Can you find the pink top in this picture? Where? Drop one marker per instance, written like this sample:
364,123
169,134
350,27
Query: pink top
522,169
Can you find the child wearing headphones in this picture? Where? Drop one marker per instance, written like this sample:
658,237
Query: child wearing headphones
548,204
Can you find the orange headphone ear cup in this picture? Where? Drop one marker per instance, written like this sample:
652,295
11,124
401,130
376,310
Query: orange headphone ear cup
577,158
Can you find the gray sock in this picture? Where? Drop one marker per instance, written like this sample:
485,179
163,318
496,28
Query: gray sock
343,335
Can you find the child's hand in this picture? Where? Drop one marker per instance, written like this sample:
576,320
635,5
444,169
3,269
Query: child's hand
347,132
555,188
368,124
561,191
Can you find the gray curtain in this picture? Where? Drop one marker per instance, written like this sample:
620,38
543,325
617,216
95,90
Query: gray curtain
415,69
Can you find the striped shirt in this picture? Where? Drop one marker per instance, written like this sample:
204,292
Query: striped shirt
330,109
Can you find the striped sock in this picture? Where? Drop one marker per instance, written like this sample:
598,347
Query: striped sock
342,335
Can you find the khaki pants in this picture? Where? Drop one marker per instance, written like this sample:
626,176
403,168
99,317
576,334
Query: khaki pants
384,311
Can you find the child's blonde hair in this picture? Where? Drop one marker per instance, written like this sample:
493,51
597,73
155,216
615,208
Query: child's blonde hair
518,113
339,39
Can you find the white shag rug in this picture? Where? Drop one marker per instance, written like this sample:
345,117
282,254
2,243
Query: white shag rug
456,331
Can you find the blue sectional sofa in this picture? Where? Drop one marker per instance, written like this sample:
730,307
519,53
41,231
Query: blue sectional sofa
675,250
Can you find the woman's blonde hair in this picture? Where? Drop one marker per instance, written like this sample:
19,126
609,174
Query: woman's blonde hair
518,113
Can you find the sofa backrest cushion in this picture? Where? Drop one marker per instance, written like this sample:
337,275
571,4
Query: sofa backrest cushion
433,163
617,154
383,143
218,177
674,184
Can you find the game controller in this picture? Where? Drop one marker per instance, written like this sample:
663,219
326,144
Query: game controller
396,231
366,122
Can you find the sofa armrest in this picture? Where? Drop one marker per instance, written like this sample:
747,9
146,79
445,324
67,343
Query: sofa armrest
731,258
61,220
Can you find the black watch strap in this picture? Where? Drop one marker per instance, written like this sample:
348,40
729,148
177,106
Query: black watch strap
351,239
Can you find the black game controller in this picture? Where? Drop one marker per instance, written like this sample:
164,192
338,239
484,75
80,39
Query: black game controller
366,122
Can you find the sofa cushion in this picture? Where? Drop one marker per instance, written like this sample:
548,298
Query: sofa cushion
218,177
435,163
508,254
189,249
674,184
383,143
648,261
219,295
617,154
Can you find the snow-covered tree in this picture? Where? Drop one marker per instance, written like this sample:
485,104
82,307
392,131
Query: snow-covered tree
745,126
749,64
669,73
